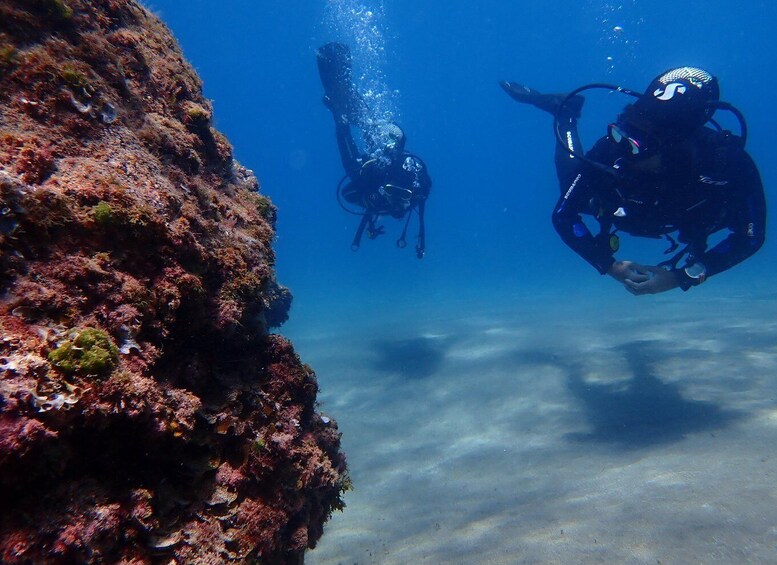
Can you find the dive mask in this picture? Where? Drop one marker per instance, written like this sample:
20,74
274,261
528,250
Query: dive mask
619,135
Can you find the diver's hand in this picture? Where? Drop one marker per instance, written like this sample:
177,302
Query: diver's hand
642,279
623,271
660,280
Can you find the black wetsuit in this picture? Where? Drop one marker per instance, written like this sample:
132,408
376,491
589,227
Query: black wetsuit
383,186
705,184
368,176
393,183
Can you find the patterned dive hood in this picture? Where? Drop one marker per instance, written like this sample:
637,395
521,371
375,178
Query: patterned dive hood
679,100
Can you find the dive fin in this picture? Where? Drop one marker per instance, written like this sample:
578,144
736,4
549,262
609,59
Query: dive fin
550,103
340,94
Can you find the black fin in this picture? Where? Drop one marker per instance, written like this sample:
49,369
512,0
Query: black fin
340,94
547,102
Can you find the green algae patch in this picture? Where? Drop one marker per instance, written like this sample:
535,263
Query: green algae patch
91,352
74,77
56,9
8,56
103,213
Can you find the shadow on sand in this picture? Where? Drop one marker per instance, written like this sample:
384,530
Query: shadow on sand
644,412
413,358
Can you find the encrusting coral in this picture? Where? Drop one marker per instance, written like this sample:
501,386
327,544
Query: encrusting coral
147,414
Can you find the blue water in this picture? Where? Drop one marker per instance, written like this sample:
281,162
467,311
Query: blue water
491,251
490,159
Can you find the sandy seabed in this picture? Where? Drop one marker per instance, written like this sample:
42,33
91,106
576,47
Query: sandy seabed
617,430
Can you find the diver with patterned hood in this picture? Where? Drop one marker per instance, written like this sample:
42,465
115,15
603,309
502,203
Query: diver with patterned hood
665,168
382,180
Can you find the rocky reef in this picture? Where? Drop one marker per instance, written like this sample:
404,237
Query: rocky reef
147,413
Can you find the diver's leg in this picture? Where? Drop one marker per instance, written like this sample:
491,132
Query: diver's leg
340,94
567,165
349,152
334,69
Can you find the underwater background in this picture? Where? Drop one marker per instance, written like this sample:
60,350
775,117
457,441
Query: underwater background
501,402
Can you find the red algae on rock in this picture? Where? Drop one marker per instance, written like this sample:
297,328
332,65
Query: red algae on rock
147,415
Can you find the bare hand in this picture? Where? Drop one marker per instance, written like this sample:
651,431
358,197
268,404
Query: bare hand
642,279
623,271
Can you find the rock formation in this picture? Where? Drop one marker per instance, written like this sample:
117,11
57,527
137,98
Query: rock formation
147,415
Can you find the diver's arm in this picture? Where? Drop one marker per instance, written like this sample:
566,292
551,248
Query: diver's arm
747,224
568,222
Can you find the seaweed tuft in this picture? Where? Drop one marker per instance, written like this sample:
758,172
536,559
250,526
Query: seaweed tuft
90,352
103,213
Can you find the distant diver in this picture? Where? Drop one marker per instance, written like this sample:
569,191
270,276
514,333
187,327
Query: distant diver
386,180
665,167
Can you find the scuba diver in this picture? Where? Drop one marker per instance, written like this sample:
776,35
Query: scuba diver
385,180
661,171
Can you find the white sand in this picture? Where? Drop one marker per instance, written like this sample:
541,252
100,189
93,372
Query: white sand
625,431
